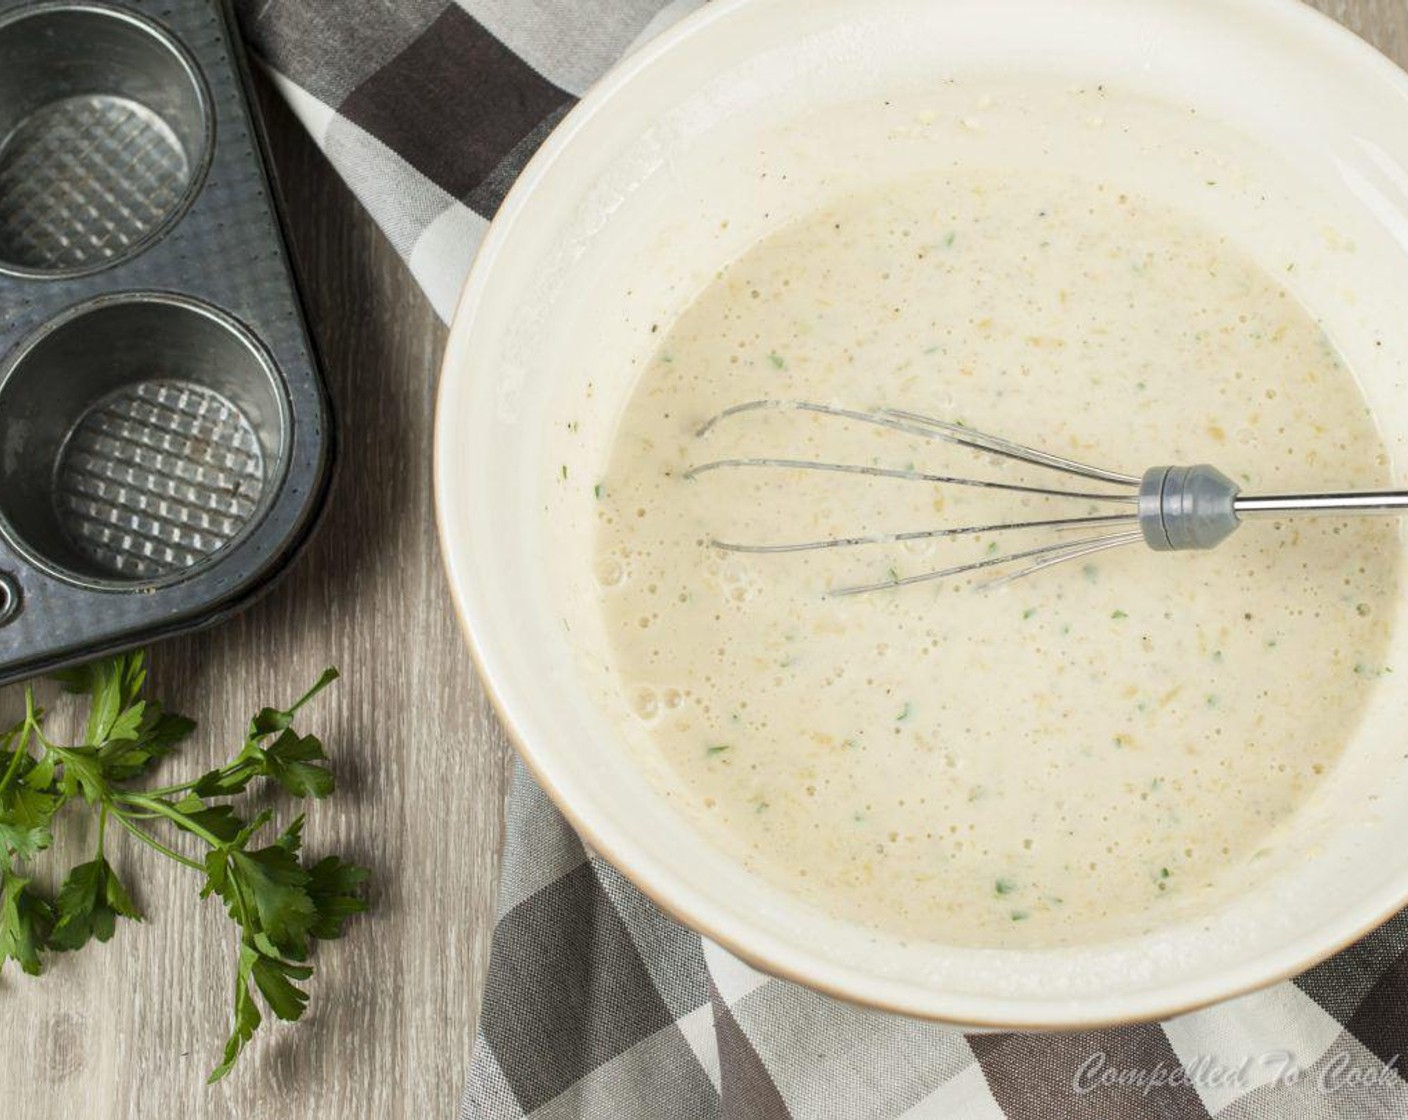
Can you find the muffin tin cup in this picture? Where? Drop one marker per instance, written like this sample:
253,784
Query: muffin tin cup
165,442
147,433
105,136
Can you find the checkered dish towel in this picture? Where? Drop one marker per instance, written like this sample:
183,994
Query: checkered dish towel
597,1005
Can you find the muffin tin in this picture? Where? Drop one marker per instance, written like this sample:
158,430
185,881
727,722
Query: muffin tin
165,441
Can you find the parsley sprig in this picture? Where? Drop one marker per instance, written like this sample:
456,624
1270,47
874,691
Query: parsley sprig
279,901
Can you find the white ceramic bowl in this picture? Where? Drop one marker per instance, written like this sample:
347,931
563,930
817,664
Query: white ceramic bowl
654,182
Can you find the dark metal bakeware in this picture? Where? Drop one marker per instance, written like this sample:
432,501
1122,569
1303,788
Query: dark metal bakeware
165,440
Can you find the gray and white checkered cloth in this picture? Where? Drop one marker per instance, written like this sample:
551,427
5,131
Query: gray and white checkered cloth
596,1004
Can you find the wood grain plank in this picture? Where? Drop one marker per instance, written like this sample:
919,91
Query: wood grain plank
1383,23
129,1029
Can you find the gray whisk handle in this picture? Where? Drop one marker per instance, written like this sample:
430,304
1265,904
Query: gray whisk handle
1182,508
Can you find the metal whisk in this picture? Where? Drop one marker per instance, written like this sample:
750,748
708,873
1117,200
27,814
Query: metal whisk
1169,508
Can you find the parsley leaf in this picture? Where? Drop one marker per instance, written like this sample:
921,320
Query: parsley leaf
89,904
25,921
247,1017
270,720
25,814
274,880
23,842
333,885
290,762
272,977
128,733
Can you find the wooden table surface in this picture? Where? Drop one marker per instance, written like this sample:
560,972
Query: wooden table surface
130,1029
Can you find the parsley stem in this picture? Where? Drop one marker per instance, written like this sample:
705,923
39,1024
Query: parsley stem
102,827
329,675
242,906
160,807
167,791
23,730
152,842
19,752
32,716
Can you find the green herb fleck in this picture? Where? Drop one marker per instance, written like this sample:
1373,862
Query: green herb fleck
905,712
1362,609
1091,573
1020,915
1004,886
597,491
1028,613
950,239
564,470
717,748
1118,615
992,547
777,360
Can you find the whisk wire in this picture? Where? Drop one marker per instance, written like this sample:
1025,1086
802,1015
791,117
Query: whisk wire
908,475
1078,551
1043,556
1059,524
927,427
917,424
979,441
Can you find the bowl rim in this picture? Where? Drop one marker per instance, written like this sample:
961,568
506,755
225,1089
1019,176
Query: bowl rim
681,901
